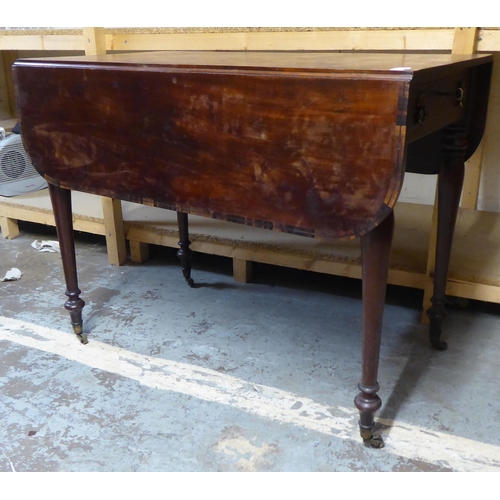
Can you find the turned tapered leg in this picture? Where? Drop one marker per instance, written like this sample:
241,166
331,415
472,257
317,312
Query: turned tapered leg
450,182
61,204
185,252
375,250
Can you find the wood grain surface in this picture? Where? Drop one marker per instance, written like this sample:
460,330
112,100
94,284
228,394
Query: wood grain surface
309,143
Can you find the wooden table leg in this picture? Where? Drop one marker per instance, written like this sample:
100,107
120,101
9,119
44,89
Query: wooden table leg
375,250
61,204
185,252
450,182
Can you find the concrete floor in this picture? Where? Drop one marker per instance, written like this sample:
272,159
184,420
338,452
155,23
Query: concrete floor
227,376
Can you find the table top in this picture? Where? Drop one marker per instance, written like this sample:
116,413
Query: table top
307,143
394,65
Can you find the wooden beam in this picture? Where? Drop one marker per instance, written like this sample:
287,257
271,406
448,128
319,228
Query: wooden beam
139,251
4,95
10,228
472,179
8,58
41,42
94,41
115,234
464,40
46,217
242,270
336,39
475,291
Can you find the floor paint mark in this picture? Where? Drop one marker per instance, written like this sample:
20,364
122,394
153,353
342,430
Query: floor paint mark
250,457
401,439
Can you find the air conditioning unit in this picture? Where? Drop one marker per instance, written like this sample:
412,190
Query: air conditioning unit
17,174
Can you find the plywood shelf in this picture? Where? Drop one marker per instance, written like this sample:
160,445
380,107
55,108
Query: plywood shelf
474,268
157,226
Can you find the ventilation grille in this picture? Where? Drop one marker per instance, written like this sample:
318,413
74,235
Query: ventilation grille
15,164
17,174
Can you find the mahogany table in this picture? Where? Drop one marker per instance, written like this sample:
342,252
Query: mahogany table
314,144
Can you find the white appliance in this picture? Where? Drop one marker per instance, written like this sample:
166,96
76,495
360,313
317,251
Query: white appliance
17,174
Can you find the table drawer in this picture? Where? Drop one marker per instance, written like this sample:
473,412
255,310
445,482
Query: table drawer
436,104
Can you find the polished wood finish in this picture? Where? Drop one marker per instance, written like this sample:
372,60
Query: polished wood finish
375,251
61,203
450,181
184,253
314,144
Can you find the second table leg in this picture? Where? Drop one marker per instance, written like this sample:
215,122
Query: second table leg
184,253
375,251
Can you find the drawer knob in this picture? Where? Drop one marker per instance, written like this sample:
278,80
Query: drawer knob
421,112
458,94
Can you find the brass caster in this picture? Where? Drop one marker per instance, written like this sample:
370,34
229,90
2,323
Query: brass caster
82,337
375,441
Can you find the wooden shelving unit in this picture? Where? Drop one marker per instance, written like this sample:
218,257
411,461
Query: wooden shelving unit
475,268
474,271
157,226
